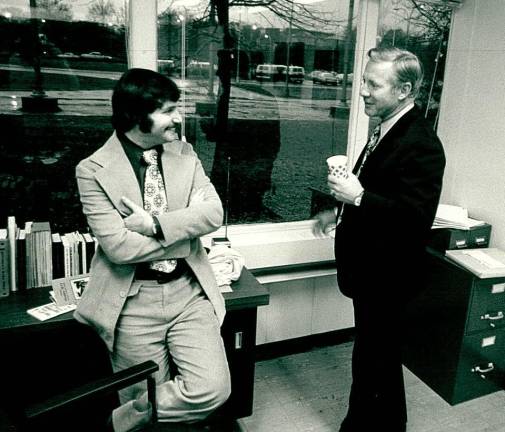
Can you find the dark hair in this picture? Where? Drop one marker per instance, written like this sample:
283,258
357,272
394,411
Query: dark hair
138,93
406,65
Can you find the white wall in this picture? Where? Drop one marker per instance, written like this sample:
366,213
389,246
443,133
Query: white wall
472,116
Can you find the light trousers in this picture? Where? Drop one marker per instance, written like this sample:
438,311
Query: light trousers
171,321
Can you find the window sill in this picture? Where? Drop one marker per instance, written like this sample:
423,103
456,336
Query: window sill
284,248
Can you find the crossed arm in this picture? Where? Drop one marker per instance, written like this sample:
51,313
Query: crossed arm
142,222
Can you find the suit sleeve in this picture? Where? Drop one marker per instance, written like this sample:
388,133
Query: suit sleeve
119,244
196,219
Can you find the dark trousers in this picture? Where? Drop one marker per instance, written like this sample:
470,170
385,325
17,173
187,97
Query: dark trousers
377,399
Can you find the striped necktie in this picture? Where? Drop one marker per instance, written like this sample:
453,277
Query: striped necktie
155,202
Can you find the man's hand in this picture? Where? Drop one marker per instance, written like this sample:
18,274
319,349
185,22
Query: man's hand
345,189
323,223
138,220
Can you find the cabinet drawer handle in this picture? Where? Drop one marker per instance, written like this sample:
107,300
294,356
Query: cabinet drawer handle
498,316
483,371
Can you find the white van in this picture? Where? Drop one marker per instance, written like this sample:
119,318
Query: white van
270,72
273,72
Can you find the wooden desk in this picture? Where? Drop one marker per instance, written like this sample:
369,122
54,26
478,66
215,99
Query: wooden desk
238,332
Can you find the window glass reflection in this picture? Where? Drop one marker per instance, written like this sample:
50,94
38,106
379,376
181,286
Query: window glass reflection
423,28
59,61
266,96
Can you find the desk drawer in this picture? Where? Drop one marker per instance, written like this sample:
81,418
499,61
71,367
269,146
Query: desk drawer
481,366
487,309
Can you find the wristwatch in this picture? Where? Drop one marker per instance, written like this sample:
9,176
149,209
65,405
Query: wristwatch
357,200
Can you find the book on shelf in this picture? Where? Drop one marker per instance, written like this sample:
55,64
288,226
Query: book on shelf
11,235
68,290
81,246
5,270
451,216
58,258
39,261
90,247
28,230
21,259
483,262
71,254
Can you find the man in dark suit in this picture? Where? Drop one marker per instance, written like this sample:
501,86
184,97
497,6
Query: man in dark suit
388,204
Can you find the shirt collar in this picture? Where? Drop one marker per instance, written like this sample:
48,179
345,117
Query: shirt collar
387,124
132,149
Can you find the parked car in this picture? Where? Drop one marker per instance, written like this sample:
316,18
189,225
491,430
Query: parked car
315,73
350,77
67,55
296,74
96,55
325,78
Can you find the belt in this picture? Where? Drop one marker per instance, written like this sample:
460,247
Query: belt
143,272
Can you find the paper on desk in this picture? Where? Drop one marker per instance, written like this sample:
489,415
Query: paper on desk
49,310
483,258
450,216
483,262
225,288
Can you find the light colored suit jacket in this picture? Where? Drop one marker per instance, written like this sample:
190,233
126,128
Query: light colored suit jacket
103,179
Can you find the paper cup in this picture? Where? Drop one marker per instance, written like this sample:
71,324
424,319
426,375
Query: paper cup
337,166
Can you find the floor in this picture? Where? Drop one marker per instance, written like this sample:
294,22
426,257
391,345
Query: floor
308,392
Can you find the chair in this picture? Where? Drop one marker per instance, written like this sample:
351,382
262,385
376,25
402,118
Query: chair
59,378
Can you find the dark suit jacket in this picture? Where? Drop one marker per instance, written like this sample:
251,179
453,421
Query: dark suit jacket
380,245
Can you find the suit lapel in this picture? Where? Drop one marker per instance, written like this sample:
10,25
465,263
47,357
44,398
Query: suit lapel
389,141
177,170
117,177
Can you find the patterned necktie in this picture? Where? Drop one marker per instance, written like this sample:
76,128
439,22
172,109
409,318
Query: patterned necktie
370,146
155,202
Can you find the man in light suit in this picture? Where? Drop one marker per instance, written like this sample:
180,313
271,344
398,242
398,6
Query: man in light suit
389,203
152,294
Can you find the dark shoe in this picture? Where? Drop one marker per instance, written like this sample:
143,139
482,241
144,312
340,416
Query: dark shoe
351,425
347,425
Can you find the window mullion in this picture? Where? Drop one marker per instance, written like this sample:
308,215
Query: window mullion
368,24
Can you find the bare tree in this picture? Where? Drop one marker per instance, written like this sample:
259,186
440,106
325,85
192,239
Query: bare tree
102,11
54,9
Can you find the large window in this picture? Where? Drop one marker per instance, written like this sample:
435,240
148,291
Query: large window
269,92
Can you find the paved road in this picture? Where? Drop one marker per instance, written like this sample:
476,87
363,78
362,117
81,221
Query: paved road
249,99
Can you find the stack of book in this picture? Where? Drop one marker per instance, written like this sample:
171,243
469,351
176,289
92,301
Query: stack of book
32,256
72,254
39,261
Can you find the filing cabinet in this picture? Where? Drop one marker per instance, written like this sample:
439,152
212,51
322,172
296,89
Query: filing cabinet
455,332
